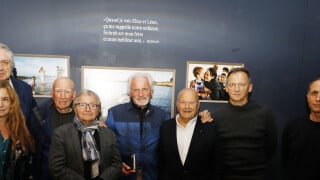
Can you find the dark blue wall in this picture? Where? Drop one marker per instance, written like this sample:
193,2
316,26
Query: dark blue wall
277,40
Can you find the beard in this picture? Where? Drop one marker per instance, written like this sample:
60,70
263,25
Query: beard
141,101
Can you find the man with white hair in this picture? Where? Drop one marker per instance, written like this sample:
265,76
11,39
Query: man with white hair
23,90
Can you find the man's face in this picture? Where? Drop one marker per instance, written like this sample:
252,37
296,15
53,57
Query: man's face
238,87
141,91
5,65
313,97
188,104
63,94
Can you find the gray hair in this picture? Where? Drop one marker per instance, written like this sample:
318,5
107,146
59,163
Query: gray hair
139,74
9,53
87,92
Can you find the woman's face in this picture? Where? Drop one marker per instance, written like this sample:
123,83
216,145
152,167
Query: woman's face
87,109
5,103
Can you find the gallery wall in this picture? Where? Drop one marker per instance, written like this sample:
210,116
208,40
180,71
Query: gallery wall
277,40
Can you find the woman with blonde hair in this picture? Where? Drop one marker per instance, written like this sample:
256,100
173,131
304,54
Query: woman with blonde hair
16,142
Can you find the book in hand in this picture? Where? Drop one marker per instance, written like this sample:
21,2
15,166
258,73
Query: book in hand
132,163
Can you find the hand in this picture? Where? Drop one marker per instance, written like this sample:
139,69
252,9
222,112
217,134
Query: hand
207,90
205,116
126,170
204,95
102,124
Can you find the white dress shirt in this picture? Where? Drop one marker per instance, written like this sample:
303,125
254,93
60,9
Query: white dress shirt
184,135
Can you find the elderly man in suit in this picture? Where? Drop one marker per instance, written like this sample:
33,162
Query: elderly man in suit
187,146
23,90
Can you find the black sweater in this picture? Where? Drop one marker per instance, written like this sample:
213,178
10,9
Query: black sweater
247,139
300,150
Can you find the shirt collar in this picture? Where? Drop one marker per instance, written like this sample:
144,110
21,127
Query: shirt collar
10,82
190,122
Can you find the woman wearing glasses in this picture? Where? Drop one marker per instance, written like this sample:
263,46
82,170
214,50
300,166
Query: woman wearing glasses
82,149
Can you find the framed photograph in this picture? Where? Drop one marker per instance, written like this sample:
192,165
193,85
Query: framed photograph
209,79
111,84
40,71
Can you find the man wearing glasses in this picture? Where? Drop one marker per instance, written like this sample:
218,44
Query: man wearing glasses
246,131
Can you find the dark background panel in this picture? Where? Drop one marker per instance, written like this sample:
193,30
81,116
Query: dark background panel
277,40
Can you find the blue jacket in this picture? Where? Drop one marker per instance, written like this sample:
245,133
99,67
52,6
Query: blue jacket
124,121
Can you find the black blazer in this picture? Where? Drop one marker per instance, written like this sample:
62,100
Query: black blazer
200,160
65,157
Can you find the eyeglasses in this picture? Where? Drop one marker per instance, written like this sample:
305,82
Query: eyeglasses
85,105
240,85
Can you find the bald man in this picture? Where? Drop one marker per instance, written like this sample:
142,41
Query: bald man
55,112
186,145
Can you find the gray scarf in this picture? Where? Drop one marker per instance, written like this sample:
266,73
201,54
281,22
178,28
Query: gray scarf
88,144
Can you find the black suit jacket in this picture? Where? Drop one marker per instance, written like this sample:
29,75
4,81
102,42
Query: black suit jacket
65,157
200,160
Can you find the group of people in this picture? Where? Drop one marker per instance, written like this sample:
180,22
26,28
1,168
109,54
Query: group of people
26,132
208,84
63,138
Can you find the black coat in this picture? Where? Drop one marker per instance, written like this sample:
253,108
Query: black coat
200,161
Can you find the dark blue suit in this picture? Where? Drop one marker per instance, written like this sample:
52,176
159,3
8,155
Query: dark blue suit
200,161
27,102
